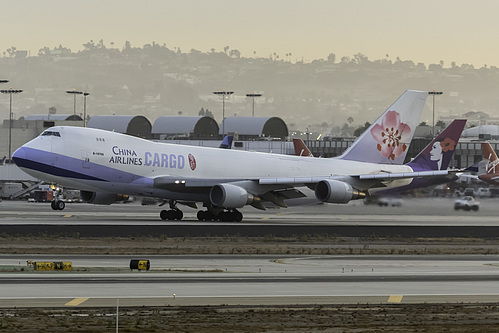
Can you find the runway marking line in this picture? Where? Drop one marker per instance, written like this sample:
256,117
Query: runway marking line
76,302
395,299
67,215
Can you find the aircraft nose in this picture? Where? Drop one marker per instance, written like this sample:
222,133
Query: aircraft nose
19,156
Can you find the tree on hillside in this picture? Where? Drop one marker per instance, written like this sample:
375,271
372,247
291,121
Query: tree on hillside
359,130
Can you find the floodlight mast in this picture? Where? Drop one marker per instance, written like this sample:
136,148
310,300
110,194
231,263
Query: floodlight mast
433,93
74,92
85,94
10,92
223,93
253,95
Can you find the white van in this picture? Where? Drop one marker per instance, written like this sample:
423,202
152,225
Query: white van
483,192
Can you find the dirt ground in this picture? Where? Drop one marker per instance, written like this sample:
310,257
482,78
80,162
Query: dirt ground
303,245
330,318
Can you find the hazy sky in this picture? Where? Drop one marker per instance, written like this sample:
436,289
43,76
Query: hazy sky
420,30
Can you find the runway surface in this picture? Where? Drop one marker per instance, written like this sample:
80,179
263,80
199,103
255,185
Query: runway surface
413,212
253,280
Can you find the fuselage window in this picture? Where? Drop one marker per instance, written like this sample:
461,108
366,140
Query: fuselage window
52,133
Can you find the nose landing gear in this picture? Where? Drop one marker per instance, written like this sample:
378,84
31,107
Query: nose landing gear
57,205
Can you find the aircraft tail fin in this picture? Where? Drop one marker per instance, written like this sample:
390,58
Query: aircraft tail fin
387,140
490,155
438,153
301,149
227,142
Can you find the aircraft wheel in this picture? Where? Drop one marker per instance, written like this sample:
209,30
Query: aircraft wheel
178,214
60,205
222,216
201,215
53,206
238,216
209,216
163,214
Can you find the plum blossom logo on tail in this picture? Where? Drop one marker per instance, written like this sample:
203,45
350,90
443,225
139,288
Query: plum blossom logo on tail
391,135
192,162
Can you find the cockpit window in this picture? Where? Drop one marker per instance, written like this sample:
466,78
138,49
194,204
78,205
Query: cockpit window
53,133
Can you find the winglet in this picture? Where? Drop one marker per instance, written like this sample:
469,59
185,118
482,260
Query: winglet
387,140
301,149
438,153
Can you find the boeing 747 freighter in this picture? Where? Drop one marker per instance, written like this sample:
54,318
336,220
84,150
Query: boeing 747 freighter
106,166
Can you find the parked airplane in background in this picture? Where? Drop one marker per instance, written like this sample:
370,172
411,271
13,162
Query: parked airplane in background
436,156
227,142
106,165
491,174
301,148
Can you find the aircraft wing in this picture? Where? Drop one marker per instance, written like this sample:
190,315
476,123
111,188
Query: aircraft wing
263,185
356,179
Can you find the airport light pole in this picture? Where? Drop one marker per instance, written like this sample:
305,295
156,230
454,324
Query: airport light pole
253,95
224,94
85,94
433,93
10,92
74,92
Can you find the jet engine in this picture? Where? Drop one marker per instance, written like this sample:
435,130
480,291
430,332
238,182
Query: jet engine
335,191
102,198
230,196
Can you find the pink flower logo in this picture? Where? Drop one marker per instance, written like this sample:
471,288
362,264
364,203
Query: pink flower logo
391,135
192,162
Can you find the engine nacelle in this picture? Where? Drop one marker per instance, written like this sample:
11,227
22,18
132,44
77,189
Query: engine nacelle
99,198
335,191
230,196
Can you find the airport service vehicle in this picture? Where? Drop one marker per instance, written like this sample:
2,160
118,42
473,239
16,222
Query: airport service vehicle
483,192
466,203
388,201
108,167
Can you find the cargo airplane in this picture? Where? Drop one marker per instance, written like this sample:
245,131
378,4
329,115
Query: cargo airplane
106,166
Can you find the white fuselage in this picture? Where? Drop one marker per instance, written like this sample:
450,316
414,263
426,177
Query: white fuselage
98,160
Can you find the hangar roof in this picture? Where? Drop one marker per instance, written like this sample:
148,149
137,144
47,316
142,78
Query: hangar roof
482,129
133,125
258,126
54,117
196,127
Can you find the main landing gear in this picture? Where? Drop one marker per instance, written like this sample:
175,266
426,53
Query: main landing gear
173,213
210,214
57,205
223,215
